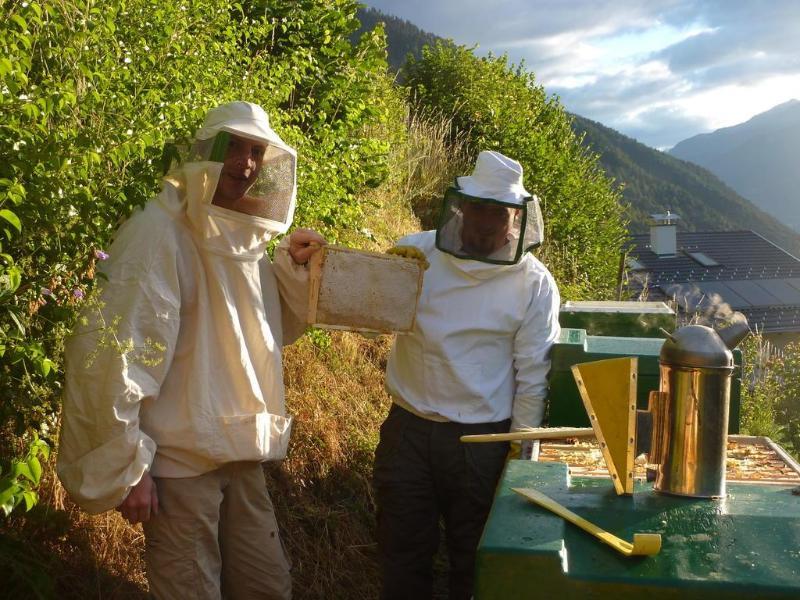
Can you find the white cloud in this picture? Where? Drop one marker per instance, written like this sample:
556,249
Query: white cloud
657,70
728,105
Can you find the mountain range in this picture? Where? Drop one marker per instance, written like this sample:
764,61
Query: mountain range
653,181
759,159
402,37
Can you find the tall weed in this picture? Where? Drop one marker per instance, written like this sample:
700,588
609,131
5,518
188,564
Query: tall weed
771,391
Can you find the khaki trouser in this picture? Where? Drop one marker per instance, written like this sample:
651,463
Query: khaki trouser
216,536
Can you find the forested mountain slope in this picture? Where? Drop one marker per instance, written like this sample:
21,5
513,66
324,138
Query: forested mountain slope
654,182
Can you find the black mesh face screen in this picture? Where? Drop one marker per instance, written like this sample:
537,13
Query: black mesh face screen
487,230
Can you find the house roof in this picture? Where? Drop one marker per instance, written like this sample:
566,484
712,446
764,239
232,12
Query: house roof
740,268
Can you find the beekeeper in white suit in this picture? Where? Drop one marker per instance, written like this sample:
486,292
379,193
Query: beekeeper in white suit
475,362
174,393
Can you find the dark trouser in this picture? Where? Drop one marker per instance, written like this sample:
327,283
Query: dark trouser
424,473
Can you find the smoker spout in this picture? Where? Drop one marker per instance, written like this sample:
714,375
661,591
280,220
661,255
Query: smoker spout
735,333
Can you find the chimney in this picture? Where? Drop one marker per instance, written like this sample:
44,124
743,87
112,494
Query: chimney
663,235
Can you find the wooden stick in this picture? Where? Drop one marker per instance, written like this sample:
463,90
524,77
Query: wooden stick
534,433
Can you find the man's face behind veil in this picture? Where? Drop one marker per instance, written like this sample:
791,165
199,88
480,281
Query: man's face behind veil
485,227
240,169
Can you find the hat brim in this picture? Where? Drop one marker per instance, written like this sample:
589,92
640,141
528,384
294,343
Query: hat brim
513,194
248,128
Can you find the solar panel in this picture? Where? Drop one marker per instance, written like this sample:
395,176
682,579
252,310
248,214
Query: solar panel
753,292
782,290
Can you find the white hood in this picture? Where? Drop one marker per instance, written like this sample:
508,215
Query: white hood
220,230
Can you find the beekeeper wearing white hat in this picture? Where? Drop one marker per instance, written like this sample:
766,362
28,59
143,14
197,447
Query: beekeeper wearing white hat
475,362
174,392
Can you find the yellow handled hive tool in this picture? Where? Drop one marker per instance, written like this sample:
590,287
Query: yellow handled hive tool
644,544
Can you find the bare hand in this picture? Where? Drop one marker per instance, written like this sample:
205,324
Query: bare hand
303,243
142,501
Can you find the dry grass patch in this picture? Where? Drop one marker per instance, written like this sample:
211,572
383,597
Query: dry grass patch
62,552
322,491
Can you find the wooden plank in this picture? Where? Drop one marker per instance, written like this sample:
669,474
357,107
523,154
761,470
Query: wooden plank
358,290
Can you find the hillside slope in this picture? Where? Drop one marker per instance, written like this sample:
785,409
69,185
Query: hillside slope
402,37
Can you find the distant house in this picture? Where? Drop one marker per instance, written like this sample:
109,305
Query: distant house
703,271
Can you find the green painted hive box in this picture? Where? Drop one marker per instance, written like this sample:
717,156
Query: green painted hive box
618,318
565,407
746,546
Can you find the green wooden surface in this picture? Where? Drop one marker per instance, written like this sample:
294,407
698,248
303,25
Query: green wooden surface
745,546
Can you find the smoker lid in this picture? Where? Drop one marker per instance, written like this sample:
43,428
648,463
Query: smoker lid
696,346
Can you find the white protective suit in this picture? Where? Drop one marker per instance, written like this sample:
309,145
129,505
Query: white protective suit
186,374
482,336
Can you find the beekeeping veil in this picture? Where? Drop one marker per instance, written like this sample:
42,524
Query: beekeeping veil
489,216
267,186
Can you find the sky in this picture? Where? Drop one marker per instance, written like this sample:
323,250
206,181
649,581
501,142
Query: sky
659,71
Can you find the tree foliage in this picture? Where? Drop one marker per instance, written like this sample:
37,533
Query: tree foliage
500,107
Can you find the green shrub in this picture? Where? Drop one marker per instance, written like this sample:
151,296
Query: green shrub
771,391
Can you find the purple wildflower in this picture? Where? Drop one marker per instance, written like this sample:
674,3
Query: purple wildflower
77,293
100,255
46,291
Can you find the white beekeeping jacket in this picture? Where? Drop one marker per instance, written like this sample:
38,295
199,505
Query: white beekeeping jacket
178,371
481,341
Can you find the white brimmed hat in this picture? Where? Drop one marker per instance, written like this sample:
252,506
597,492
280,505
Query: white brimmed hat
495,177
242,118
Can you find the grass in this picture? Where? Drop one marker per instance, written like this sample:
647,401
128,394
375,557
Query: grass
59,551
322,490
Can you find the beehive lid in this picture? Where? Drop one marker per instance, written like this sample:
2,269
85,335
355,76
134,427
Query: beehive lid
614,306
742,548
356,290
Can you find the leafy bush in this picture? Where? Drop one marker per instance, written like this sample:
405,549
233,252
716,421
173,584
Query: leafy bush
498,106
19,479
